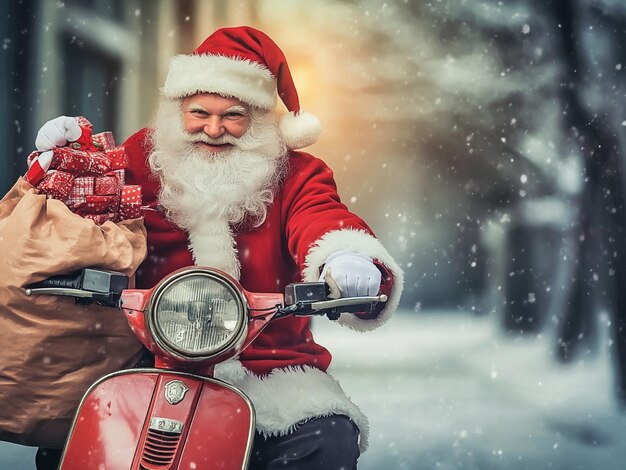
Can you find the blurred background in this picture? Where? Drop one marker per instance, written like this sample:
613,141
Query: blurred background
483,141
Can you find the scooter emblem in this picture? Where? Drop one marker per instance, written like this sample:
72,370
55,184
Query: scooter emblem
175,391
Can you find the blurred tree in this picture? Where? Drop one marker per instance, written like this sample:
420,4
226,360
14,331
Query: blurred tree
515,112
592,38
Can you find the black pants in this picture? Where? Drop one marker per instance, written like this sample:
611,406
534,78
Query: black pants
321,443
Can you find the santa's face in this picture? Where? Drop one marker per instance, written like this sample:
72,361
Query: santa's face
214,118
204,181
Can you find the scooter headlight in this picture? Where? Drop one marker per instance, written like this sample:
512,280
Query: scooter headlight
197,314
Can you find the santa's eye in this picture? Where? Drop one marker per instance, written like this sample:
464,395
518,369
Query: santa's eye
233,115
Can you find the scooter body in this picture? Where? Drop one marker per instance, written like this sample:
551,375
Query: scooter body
155,420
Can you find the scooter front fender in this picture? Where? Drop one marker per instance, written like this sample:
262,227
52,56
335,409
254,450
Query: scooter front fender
158,420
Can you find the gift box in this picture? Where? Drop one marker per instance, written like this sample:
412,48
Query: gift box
106,185
80,162
97,205
120,175
88,175
103,141
117,158
130,202
83,186
56,184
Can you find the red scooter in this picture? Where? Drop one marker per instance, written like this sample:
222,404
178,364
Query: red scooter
177,415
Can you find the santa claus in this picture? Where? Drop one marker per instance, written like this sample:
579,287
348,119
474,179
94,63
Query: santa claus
232,192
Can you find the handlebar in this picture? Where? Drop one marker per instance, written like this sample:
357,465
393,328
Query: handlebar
311,298
87,285
106,287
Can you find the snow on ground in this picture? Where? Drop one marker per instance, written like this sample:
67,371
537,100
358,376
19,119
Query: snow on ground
448,391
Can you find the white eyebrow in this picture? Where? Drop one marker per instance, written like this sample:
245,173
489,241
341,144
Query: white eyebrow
237,109
233,109
195,107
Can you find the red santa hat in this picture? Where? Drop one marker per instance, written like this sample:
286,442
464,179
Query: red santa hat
246,64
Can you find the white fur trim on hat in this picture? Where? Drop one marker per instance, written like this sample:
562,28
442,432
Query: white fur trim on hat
360,242
243,79
213,244
292,395
299,130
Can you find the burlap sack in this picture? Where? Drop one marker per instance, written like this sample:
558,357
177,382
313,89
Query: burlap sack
51,349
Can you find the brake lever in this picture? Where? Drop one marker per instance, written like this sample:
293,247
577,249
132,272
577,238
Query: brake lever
80,293
332,308
347,302
87,285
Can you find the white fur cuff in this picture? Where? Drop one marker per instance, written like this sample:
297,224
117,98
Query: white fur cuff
364,243
292,395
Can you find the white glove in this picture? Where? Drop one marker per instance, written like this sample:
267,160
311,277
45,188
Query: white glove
350,274
57,133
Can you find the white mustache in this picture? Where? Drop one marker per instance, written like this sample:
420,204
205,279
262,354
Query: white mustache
205,139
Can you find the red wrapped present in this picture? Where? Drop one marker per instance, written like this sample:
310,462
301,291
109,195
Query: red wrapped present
80,162
130,202
117,158
120,175
99,219
100,204
56,184
88,175
83,186
105,185
97,205
103,141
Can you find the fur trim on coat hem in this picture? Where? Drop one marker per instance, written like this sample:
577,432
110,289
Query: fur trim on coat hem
290,396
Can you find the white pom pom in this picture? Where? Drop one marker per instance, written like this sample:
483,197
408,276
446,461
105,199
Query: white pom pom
299,130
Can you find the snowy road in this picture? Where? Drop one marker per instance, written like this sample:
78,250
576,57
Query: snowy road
449,392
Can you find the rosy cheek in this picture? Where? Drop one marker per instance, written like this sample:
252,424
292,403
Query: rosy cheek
242,127
187,125
191,124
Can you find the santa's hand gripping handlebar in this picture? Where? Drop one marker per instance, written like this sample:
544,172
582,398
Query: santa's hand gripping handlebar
106,288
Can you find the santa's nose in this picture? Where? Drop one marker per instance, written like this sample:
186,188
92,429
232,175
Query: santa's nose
214,128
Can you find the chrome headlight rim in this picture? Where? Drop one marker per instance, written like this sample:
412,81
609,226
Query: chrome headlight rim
159,337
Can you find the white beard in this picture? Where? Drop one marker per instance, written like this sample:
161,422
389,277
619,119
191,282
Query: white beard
205,193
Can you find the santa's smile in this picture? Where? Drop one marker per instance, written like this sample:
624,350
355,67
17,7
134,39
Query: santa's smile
215,147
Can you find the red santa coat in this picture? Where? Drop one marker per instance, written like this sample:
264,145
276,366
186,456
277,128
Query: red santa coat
306,223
